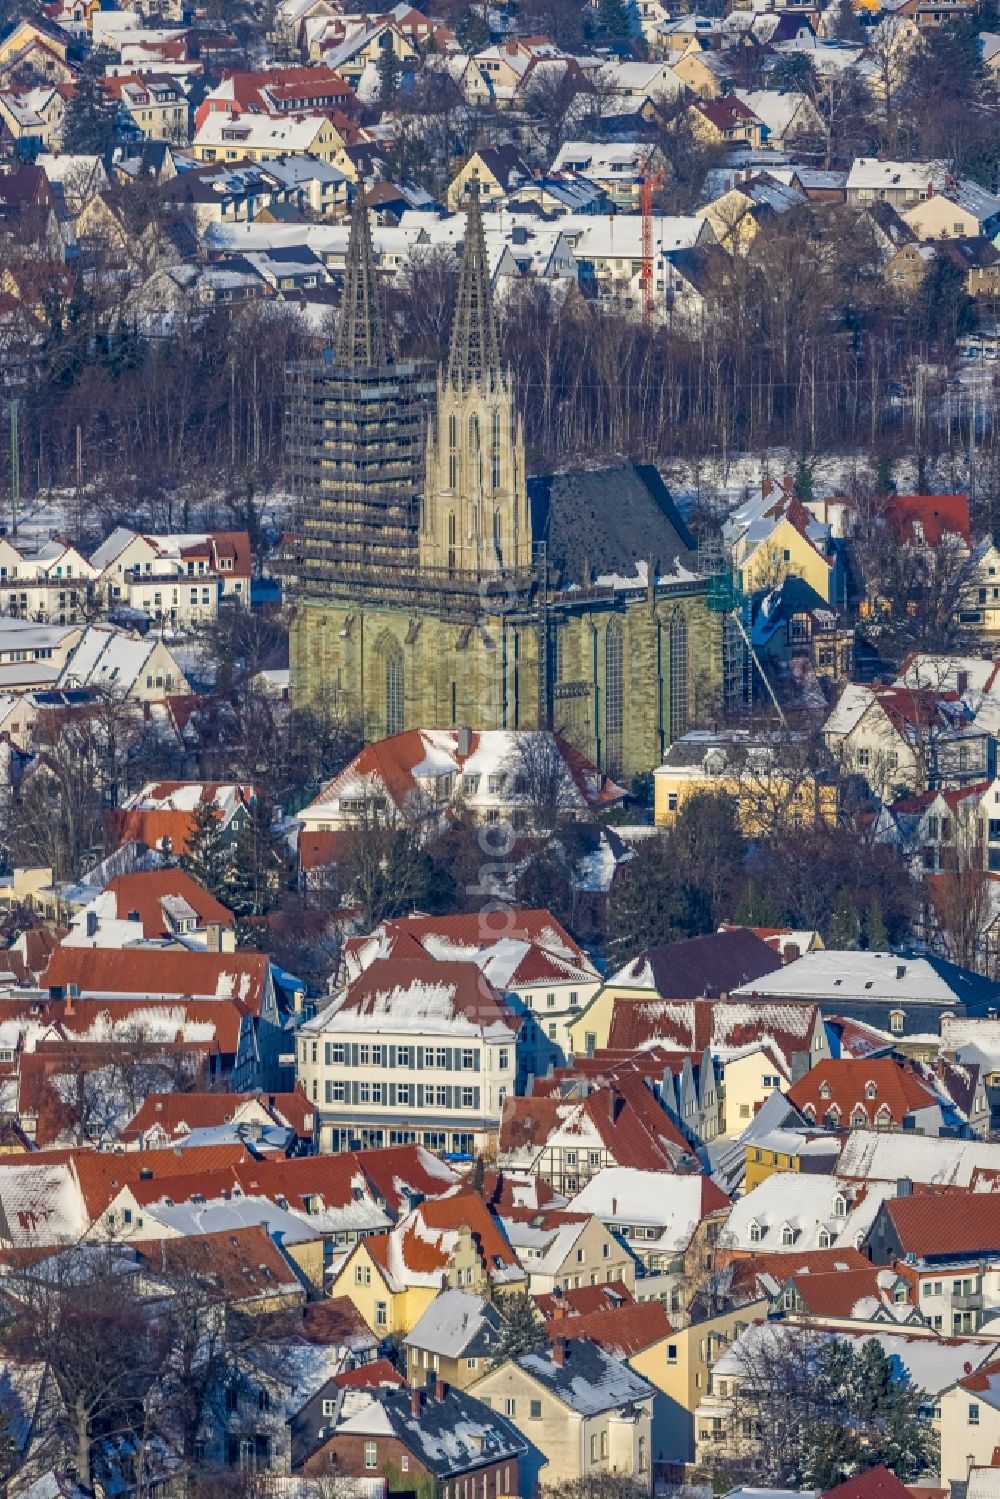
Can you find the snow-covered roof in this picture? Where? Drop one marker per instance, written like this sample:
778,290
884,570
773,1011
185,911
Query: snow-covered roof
454,1321
590,1380
622,1194
833,974
804,1206
933,1160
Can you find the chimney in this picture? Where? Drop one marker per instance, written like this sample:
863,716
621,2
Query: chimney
91,923
791,951
464,743
614,1207
133,916
904,1187
68,1006
440,1389
559,1352
213,936
414,1402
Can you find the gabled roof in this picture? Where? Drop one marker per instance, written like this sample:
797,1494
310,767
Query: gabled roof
699,967
145,893
881,1087
622,1331
103,1175
422,998
101,972
243,1264
876,1483
928,1224
180,1113
450,1433
589,1380
939,515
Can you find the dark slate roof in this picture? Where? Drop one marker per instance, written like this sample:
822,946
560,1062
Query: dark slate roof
589,1380
505,163
973,253
793,596
606,520
451,1436
704,966
700,266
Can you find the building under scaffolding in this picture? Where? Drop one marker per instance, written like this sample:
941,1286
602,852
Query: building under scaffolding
356,429
434,586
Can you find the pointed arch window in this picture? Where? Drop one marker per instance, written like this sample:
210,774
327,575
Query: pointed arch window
452,453
395,703
495,450
498,536
452,544
613,696
678,676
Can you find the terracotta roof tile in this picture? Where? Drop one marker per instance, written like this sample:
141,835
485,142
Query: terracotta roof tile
970,1225
152,972
833,1090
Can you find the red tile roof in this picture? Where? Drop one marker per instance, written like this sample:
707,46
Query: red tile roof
939,515
623,1331
836,1293
161,972
390,981
967,1223
877,1483
376,1375
102,1175
145,892
179,1113
582,1300
245,1263
444,1215
834,1090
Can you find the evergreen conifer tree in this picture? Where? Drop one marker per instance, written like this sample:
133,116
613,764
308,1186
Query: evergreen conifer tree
205,858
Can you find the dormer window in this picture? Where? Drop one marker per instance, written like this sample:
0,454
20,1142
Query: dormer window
839,1206
825,1240
859,1118
897,1019
870,1090
825,1091
787,1234
756,1233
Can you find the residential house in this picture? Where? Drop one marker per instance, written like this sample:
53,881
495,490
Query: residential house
178,579
498,171
411,1051
959,210
278,91
32,656
904,739
669,1224
454,1340
446,1243
726,121
266,993
50,583
161,814
970,1424
153,905
707,966
438,1436
904,994
618,168
33,117
279,1122
248,137
793,629
788,118
943,1243
157,107
876,1092
527,955
773,536
122,666
567,1142
801,1211
737,216
582,1411
561,1249
497,775
772,785
902,184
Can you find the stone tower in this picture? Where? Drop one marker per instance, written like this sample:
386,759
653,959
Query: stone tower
475,518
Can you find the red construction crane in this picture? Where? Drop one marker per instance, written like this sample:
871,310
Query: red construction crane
651,181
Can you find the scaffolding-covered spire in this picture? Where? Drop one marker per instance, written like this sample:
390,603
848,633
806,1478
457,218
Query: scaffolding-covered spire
475,348
361,338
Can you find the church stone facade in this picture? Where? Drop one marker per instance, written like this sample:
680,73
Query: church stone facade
453,590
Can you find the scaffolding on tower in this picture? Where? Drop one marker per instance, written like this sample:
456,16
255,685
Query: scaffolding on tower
651,181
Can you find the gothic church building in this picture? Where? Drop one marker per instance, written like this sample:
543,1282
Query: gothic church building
436,585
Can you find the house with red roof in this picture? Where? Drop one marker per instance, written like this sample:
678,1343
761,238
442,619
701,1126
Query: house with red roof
567,1141
446,1243
527,954
564,1249
170,1118
278,91
903,738
161,814
970,1424
926,522
154,905
144,980
874,1093
496,774
416,1052
947,1245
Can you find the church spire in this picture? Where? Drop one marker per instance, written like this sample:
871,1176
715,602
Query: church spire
360,335
475,348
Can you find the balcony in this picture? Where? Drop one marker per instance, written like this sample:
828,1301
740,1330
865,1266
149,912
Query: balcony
973,1302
